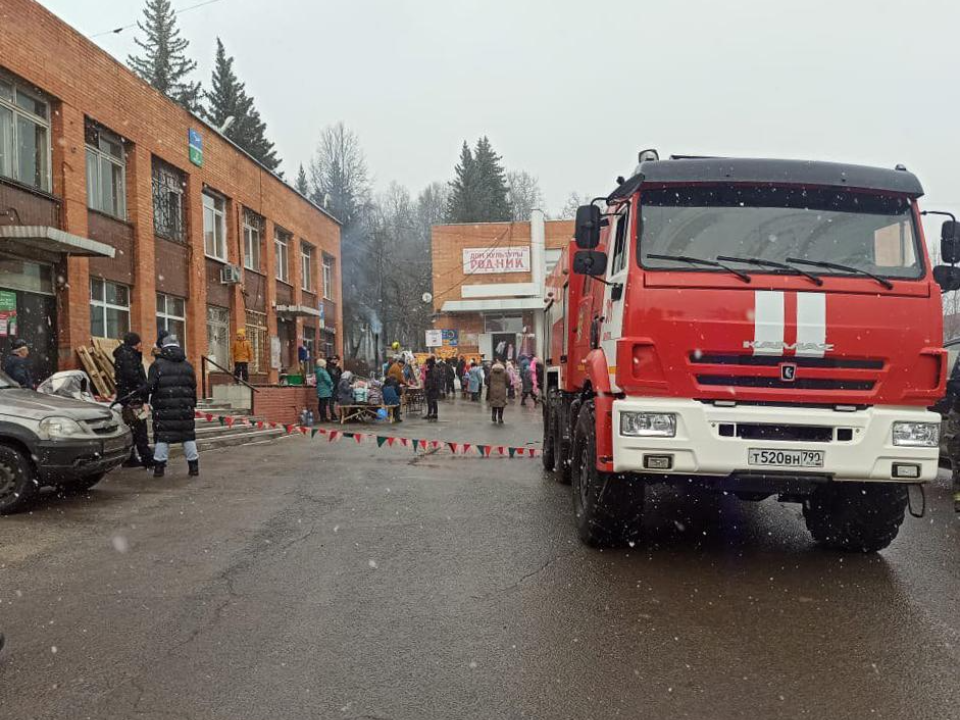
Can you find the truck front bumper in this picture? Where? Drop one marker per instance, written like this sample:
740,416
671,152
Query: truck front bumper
708,442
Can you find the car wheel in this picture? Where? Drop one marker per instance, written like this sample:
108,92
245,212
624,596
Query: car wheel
17,481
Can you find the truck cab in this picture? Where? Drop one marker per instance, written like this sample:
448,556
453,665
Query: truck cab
764,327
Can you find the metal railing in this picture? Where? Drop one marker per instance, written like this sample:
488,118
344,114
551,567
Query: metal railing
204,361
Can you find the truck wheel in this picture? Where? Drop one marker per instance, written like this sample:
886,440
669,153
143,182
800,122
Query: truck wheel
82,484
856,517
608,506
561,452
548,454
17,484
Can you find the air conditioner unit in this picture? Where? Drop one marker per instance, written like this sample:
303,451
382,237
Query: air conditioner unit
231,275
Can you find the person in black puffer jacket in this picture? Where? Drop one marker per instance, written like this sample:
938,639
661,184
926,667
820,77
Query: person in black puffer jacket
172,386
131,383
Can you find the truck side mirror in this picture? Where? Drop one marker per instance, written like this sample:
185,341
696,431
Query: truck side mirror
949,241
590,262
946,276
587,233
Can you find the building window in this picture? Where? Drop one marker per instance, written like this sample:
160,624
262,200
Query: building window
281,244
309,344
106,171
109,309
306,267
168,184
326,345
214,226
218,336
171,316
257,335
328,277
252,230
24,136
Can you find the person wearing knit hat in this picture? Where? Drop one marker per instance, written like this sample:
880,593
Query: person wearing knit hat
131,382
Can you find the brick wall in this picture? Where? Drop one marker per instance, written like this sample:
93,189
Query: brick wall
284,404
81,80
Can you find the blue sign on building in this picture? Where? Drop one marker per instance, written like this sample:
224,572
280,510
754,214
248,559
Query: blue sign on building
195,142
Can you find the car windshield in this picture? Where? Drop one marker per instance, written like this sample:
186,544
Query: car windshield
863,231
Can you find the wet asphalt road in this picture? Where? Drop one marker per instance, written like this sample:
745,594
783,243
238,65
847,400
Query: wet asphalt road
307,580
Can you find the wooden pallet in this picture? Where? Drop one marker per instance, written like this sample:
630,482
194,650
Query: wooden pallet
96,377
102,354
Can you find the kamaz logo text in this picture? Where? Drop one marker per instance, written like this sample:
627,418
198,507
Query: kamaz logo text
800,347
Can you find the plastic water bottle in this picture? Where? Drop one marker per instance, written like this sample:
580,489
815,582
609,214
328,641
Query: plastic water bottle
310,418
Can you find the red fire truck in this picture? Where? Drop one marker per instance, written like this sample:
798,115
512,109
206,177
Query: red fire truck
762,327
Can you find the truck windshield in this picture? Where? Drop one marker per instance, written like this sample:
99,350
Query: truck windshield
873,233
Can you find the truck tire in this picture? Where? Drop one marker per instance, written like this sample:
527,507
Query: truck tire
82,484
17,481
548,454
561,452
608,507
854,516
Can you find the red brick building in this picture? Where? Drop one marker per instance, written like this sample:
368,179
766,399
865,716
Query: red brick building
488,283
109,221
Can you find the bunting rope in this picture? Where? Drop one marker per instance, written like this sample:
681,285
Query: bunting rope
416,444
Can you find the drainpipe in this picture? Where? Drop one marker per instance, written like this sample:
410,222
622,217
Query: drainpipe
539,264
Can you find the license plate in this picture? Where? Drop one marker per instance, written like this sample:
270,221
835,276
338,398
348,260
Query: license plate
115,444
785,458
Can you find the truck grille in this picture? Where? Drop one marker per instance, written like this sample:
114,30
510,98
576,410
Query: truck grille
761,371
778,433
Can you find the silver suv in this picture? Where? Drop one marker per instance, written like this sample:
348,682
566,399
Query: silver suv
50,440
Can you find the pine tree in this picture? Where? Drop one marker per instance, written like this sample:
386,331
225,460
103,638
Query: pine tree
163,63
302,187
478,192
228,98
464,190
493,184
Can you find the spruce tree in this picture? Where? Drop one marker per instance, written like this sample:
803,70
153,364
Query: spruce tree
302,187
462,205
163,63
228,98
492,182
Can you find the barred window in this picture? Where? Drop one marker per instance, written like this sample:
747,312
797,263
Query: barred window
168,190
257,335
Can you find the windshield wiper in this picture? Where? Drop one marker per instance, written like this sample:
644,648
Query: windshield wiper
772,264
839,266
701,261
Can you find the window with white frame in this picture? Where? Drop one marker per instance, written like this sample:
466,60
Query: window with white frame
24,135
106,171
306,267
214,226
168,189
281,244
328,277
252,230
171,316
109,309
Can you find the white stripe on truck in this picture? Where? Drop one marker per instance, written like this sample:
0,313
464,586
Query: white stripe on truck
811,324
768,323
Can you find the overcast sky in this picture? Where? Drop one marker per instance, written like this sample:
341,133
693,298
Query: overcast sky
571,94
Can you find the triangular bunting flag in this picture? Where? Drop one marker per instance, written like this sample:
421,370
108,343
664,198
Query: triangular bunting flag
533,453
260,424
358,437
347,434
423,444
334,435
289,428
404,441
415,443
303,429
391,441
435,444
512,451
520,451
453,448
313,433
500,449
466,448
228,421
482,449
209,417
220,419
273,426
381,439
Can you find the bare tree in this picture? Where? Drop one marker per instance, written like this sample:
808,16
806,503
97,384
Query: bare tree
523,194
575,200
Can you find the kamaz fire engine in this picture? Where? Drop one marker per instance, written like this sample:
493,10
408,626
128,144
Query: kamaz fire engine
759,327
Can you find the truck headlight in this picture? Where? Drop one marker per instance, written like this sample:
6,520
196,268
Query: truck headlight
60,428
648,424
916,434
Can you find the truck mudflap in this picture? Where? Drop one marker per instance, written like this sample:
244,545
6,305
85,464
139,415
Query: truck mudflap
772,441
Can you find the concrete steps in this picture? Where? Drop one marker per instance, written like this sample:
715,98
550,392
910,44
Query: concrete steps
212,435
